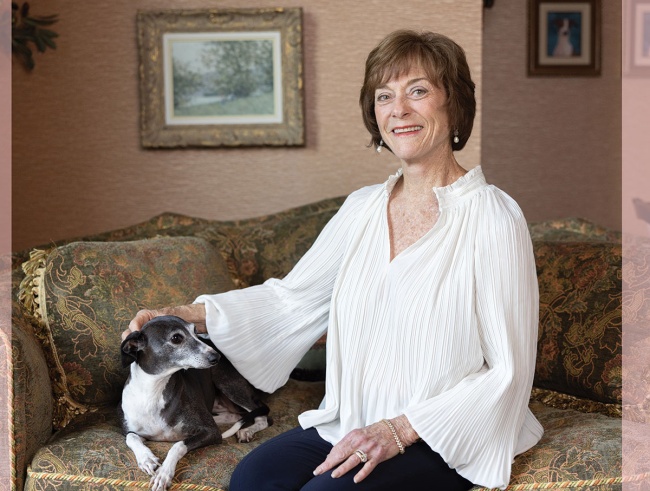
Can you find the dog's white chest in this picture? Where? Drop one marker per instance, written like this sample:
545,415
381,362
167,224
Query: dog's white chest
143,405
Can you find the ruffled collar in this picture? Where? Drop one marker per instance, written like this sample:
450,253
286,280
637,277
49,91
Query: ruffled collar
450,194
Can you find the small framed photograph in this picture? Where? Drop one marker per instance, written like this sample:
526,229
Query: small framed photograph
637,49
564,38
226,77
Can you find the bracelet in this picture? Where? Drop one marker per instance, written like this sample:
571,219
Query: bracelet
392,430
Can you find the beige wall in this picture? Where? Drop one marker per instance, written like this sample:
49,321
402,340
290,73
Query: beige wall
78,167
553,143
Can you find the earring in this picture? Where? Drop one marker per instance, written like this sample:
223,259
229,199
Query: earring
380,146
456,139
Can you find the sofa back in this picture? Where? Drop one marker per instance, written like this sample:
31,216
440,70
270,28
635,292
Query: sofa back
83,293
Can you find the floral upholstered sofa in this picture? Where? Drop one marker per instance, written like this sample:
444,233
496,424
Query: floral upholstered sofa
73,300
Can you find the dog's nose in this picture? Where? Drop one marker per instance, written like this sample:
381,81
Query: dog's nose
214,357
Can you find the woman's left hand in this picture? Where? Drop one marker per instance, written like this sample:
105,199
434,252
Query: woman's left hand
375,441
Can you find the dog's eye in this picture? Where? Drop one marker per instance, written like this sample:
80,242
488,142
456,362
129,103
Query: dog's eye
177,339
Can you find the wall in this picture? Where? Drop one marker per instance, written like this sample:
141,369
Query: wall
636,121
553,143
78,167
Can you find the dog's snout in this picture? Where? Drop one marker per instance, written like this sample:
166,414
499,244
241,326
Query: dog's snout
214,357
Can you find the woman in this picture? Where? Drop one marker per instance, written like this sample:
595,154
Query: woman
426,286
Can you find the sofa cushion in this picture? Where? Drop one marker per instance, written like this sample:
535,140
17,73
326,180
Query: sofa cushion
85,293
575,448
579,341
91,451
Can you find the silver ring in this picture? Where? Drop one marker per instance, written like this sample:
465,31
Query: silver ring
362,455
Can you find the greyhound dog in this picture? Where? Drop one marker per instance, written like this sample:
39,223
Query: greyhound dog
178,389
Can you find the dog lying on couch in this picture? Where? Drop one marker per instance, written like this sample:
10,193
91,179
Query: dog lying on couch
179,388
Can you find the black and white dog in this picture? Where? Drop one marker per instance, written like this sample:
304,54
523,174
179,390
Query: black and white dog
179,388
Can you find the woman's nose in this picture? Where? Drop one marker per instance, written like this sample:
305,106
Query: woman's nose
400,107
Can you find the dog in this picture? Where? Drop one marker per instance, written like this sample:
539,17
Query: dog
179,388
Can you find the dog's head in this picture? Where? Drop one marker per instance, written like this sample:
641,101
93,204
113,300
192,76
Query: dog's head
165,345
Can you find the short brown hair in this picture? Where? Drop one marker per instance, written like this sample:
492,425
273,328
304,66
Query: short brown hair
444,63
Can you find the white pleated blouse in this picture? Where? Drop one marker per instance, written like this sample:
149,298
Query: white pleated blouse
445,333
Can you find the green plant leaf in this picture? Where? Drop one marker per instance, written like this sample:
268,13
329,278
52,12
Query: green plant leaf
48,33
48,40
40,44
39,21
26,30
23,53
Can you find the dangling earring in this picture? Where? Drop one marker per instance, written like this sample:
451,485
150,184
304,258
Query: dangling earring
379,147
456,139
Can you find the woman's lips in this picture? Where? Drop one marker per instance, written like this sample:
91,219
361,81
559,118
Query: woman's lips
406,129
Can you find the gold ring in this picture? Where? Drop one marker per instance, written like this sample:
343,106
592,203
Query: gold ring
362,455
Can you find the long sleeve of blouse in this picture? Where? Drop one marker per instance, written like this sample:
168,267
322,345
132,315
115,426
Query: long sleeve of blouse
265,330
445,333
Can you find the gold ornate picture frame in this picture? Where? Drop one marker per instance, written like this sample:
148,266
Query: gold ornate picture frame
564,37
221,77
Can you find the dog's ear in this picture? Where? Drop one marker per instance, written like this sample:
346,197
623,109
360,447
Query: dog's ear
134,342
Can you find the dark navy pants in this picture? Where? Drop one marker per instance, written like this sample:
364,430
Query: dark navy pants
287,463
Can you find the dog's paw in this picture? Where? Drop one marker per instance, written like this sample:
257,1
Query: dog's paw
245,436
161,481
149,464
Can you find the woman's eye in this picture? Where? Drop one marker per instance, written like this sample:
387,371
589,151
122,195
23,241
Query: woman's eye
382,97
419,92
177,339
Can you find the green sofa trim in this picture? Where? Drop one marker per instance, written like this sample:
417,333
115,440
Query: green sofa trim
119,483
103,481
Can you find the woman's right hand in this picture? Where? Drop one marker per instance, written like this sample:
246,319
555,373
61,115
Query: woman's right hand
194,313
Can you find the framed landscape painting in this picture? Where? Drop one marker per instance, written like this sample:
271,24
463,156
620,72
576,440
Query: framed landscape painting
230,77
564,37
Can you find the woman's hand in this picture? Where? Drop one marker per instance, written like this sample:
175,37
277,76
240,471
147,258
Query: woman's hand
376,442
194,313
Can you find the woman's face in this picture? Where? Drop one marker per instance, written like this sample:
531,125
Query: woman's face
412,116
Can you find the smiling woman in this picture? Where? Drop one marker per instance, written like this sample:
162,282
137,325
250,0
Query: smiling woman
411,114
427,289
442,63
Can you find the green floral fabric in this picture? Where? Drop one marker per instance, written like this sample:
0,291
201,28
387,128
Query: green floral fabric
579,342
572,230
590,450
92,449
32,391
89,291
255,249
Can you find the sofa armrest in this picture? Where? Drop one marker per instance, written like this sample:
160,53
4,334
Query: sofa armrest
32,397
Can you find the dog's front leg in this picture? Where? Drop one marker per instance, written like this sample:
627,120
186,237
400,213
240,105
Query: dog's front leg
163,478
147,461
204,436
245,435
